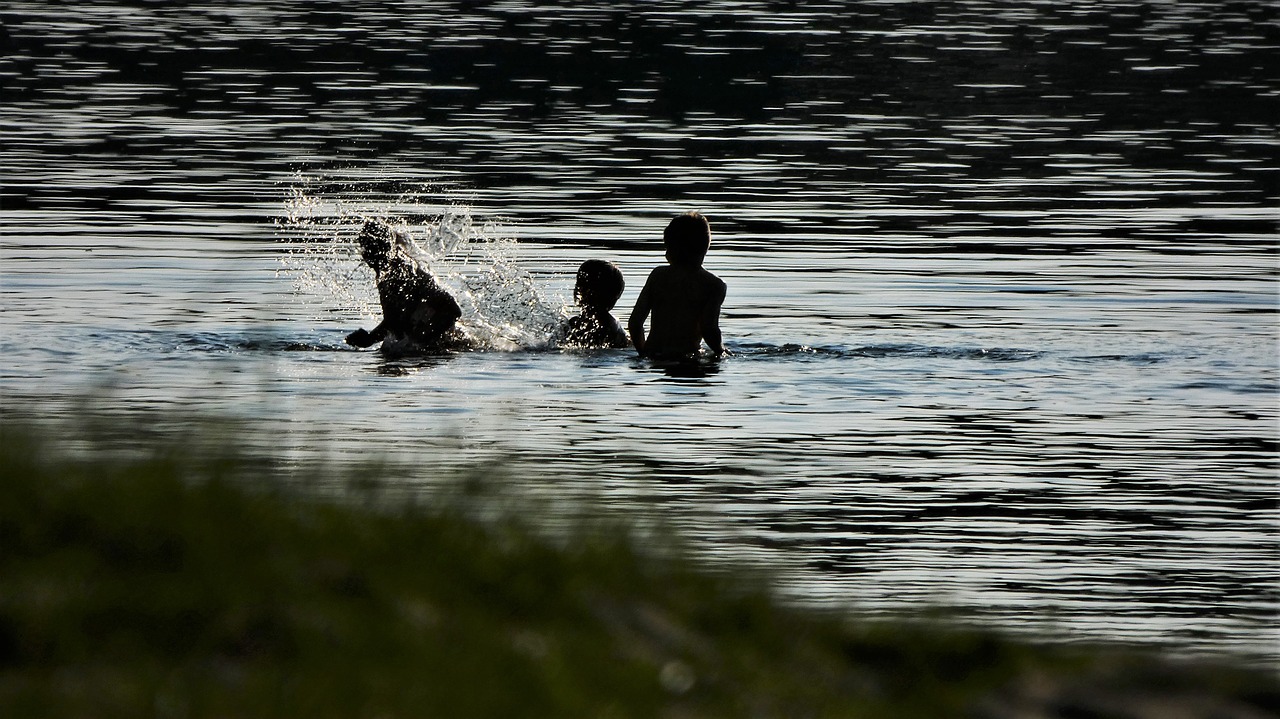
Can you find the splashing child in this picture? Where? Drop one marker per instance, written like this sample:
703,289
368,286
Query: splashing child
417,313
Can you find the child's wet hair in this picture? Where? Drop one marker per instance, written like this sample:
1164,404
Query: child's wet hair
376,236
687,237
382,243
602,280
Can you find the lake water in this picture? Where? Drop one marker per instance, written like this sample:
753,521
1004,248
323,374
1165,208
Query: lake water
1002,275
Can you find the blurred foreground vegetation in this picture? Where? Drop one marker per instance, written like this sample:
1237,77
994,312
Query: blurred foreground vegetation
185,576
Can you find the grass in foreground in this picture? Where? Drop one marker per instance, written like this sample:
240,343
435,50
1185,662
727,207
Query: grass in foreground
195,582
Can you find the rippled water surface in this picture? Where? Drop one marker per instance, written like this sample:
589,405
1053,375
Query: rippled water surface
1002,275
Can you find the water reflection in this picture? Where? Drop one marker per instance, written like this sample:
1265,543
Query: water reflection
690,369
394,365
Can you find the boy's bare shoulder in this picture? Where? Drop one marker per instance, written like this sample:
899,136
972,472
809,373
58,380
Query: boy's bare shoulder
664,276
714,282
683,279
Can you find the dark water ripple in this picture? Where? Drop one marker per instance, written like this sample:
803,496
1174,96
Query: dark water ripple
791,351
991,121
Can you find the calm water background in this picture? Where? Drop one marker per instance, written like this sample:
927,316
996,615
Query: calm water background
1002,274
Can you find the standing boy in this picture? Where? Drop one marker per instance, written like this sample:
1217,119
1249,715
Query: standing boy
684,298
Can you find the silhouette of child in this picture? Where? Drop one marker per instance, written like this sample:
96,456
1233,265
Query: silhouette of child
597,290
415,308
684,298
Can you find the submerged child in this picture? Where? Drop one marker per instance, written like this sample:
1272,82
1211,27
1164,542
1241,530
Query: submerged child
416,310
597,290
684,298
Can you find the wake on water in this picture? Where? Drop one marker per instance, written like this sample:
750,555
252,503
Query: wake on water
502,306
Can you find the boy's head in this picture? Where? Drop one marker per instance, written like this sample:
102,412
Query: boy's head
377,244
687,237
599,285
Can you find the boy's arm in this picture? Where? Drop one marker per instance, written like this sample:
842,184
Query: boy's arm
375,335
638,315
363,338
710,320
620,337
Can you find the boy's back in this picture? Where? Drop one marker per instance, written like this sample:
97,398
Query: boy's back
414,305
685,302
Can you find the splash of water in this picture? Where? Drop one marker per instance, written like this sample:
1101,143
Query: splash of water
502,306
